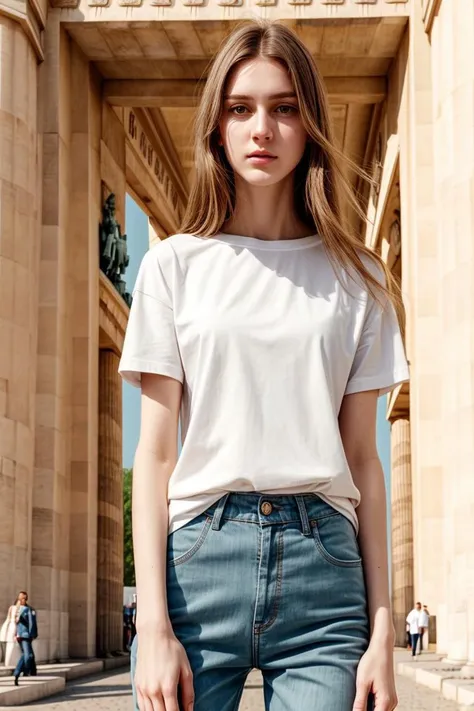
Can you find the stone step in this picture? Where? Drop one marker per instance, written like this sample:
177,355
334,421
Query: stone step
30,689
52,679
444,677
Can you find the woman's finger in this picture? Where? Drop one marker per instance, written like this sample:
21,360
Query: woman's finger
158,703
169,696
187,688
383,702
144,702
362,693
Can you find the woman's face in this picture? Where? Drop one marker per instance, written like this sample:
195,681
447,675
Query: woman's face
260,113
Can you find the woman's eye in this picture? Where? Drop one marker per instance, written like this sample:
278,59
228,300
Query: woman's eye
237,110
287,110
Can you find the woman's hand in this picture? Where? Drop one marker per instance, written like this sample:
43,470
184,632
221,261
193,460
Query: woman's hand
375,675
162,665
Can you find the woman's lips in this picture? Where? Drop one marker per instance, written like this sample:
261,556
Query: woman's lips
260,160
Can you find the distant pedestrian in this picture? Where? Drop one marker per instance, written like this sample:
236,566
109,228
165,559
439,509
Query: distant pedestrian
26,632
424,621
12,652
413,619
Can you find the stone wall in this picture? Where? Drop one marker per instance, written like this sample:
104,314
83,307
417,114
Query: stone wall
20,196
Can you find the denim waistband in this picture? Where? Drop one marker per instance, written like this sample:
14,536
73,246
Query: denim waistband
270,509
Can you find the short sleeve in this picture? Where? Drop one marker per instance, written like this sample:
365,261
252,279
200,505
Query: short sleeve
150,344
380,362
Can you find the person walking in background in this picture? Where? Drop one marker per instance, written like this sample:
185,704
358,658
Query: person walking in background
26,632
423,622
8,636
413,619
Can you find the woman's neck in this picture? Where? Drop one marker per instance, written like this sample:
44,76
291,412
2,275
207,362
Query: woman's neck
266,213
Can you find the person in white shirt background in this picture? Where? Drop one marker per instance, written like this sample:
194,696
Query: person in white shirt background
269,330
413,620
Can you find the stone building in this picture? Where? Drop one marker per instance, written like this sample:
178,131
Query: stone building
97,97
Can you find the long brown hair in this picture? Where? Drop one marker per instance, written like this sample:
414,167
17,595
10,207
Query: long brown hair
322,191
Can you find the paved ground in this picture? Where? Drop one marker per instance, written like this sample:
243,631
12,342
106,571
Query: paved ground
112,693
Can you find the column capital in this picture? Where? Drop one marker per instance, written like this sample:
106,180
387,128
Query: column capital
31,16
398,403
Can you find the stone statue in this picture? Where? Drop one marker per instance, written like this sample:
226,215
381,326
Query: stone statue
114,258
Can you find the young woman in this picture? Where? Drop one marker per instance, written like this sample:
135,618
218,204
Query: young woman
270,330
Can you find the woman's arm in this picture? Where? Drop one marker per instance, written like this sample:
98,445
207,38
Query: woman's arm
357,423
155,459
162,664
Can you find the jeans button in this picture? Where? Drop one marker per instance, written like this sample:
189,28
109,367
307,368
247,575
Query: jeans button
266,508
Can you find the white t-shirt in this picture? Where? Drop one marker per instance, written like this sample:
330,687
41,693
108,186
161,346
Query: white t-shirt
266,342
413,620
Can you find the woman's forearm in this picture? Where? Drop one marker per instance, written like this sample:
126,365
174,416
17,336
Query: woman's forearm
369,479
150,533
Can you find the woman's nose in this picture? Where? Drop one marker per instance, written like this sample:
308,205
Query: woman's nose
262,129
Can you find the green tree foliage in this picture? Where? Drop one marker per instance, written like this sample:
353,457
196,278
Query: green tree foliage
129,566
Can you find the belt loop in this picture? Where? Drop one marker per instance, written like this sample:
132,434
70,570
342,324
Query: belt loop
305,527
216,519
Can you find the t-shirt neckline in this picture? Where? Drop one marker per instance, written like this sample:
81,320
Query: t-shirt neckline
268,244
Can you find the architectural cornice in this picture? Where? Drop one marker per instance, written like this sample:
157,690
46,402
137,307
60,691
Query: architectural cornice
430,10
28,14
113,316
212,9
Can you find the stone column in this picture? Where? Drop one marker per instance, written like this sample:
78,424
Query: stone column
452,40
110,508
425,335
19,255
402,526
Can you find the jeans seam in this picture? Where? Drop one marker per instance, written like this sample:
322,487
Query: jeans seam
194,549
330,558
281,523
255,627
276,603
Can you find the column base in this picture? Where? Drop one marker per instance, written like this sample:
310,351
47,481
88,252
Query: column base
467,671
454,662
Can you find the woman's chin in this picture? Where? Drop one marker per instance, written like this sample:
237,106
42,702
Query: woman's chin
261,177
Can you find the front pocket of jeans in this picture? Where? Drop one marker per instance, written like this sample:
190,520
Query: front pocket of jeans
336,540
185,542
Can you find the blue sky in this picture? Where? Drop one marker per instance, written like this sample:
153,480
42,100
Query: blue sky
137,234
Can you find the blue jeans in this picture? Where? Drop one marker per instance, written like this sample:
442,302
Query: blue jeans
414,642
26,663
274,583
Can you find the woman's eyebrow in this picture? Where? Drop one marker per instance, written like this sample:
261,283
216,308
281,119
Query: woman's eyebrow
281,95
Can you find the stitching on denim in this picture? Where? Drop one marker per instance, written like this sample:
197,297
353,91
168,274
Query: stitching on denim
276,603
330,558
312,521
255,627
202,536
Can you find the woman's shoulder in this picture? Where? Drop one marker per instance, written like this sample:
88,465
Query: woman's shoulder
355,281
171,247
